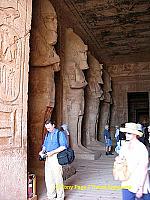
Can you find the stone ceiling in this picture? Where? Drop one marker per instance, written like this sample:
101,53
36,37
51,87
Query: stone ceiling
120,29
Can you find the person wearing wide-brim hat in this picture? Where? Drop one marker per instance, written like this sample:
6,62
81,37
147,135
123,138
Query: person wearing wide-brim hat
136,154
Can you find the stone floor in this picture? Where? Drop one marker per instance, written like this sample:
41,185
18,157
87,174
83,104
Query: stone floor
93,181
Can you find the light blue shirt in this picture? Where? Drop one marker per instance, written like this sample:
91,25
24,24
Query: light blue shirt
52,142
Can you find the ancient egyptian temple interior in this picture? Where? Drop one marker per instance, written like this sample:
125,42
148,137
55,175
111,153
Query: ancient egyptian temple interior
84,63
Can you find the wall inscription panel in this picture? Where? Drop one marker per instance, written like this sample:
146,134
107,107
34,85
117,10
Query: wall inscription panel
15,25
13,34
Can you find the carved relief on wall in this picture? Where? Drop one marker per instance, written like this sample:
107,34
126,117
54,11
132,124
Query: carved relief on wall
14,29
129,69
10,54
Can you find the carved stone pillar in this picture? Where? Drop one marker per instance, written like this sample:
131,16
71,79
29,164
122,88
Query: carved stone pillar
15,23
94,95
75,63
44,62
104,117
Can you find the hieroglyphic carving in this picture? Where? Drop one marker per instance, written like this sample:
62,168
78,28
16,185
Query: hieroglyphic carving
129,69
10,54
119,27
14,29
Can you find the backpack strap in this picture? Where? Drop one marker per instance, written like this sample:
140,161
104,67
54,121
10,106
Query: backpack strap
58,137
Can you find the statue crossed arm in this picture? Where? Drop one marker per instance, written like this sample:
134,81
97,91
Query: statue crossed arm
75,76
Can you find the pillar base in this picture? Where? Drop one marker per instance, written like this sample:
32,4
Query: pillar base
96,146
82,152
88,156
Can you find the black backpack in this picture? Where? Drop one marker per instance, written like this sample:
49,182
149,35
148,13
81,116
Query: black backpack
66,156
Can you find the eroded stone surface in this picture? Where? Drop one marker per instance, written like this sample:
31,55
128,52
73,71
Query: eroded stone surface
44,62
104,117
75,63
93,96
15,24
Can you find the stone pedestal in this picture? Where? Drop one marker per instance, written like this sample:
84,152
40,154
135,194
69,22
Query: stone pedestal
96,146
88,156
84,153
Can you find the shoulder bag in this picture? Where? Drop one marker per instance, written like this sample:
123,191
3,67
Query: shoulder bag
120,169
66,156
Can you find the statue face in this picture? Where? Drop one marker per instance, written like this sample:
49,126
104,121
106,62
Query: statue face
75,50
50,22
43,34
82,58
98,74
95,68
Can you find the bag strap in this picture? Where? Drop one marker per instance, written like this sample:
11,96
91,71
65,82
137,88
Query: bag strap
58,137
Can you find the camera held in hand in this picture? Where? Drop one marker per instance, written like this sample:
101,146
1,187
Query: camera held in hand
42,155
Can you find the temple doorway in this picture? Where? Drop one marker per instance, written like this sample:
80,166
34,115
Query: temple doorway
138,107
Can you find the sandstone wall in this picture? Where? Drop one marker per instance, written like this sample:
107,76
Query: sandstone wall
131,77
15,20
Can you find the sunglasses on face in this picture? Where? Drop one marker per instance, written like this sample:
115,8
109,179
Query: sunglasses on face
129,133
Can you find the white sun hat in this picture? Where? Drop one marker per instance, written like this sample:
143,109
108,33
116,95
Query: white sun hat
131,128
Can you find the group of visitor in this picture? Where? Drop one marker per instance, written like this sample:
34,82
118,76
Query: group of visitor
132,148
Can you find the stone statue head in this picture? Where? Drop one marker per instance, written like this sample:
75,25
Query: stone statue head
107,81
75,49
107,87
43,34
95,68
45,20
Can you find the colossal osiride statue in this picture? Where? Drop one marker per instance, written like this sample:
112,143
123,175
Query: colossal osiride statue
43,63
93,96
75,63
104,117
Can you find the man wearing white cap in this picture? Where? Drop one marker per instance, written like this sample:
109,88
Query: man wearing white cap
137,186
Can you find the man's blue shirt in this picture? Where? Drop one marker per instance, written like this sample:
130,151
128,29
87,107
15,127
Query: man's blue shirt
51,142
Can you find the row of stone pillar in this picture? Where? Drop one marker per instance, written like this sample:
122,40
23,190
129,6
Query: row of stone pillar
86,92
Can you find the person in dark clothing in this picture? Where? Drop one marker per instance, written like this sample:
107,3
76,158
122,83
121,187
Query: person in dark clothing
146,138
122,136
140,128
108,141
